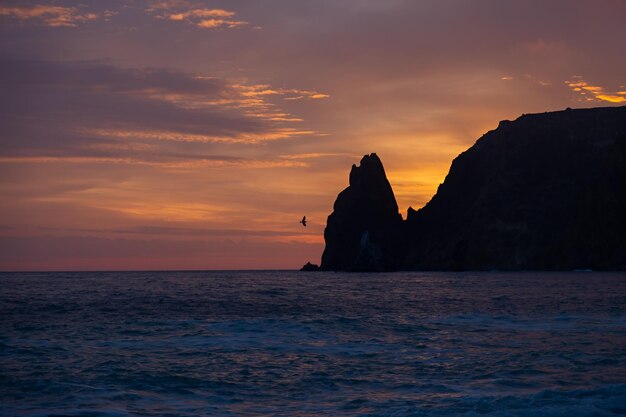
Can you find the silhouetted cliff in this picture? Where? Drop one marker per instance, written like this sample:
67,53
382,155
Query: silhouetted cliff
546,191
362,233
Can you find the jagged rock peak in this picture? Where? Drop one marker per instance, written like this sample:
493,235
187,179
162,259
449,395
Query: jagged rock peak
369,168
362,232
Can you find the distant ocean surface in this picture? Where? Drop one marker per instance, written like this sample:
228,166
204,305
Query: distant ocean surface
276,343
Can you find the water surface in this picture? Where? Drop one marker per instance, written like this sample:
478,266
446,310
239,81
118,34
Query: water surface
298,344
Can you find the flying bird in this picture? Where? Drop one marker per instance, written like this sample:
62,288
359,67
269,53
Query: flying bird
303,221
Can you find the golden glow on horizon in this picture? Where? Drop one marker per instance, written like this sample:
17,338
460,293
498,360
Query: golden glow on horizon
414,188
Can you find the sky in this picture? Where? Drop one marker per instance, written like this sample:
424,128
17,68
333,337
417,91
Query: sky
181,134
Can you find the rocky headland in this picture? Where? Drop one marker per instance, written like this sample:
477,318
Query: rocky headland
544,192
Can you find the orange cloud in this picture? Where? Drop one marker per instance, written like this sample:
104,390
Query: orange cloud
203,13
594,92
611,98
318,96
253,98
183,11
185,122
259,90
219,23
53,16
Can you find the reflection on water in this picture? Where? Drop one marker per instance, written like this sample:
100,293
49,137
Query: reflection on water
291,344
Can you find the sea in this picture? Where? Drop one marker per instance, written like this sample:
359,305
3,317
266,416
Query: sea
286,343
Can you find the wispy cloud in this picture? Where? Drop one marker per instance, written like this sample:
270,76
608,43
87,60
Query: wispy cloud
53,16
590,92
173,136
261,90
181,162
184,11
140,117
253,99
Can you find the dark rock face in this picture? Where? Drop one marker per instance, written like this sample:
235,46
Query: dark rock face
310,267
364,231
546,191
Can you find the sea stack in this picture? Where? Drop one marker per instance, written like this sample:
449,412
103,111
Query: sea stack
364,232
544,192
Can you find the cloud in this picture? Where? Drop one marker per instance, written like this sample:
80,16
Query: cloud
169,162
260,90
76,111
53,16
202,13
249,138
594,92
219,23
318,96
184,11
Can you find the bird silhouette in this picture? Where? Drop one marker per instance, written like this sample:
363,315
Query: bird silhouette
303,221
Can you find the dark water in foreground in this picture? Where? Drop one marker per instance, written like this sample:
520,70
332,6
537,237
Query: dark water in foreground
296,344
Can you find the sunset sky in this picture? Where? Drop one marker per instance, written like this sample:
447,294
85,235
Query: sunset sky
196,134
